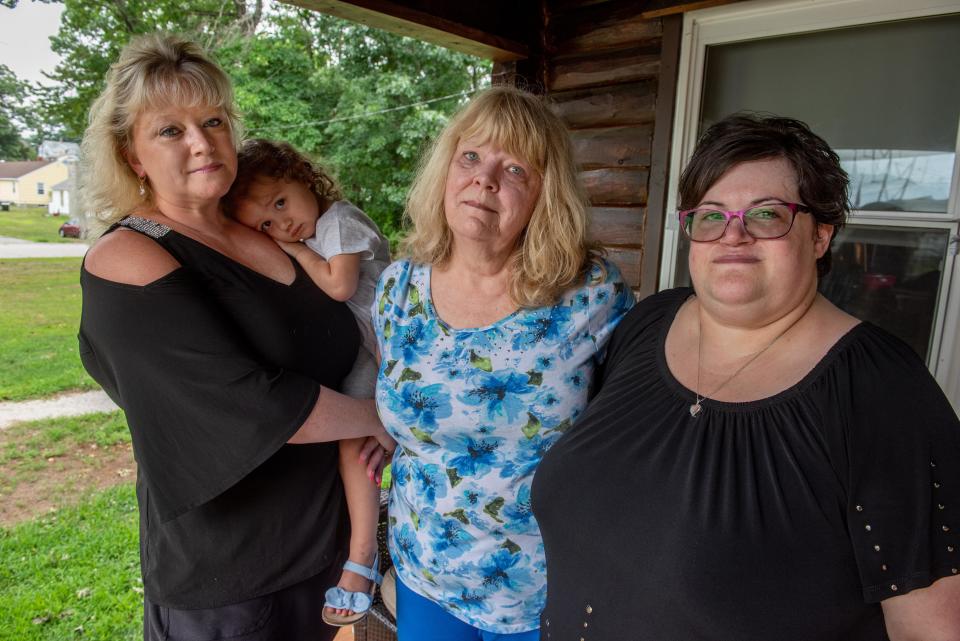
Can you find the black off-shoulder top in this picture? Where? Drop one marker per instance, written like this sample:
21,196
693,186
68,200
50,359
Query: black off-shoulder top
787,518
216,366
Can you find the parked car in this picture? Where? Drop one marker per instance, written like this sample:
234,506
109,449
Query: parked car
70,229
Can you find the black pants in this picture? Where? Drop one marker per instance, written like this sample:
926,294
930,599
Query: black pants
291,614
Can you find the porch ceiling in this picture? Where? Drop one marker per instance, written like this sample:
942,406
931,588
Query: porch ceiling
475,28
499,30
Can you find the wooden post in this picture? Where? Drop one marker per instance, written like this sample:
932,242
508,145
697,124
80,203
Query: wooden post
660,155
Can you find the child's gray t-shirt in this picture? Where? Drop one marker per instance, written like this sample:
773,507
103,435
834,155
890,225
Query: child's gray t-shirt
344,229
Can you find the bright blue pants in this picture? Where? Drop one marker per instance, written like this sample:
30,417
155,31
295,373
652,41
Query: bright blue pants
420,619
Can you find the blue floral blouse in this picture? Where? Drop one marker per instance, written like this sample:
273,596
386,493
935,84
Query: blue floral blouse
473,411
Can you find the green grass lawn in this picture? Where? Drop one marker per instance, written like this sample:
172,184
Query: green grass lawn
39,316
25,448
74,574
33,223
54,436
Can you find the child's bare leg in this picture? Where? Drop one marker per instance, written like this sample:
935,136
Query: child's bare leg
363,505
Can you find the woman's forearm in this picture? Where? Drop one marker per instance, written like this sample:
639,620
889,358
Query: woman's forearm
336,416
925,614
337,277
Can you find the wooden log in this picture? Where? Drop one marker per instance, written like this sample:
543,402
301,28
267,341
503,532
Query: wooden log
628,262
614,25
448,27
622,226
612,146
607,106
529,74
616,186
606,69
660,8
559,6
658,184
650,8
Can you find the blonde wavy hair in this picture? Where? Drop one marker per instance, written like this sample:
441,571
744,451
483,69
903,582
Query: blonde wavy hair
552,253
153,70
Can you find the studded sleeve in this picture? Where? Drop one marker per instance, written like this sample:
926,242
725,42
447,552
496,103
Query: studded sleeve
902,448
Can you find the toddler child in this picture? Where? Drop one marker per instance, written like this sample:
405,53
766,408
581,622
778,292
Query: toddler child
283,194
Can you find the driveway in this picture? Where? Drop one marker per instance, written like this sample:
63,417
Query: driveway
18,248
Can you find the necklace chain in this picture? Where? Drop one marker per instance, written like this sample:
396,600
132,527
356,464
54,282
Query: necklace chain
696,407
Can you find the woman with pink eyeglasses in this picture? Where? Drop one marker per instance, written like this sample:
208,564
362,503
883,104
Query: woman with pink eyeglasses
756,464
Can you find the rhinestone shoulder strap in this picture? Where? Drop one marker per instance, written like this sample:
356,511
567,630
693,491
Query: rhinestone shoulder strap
145,226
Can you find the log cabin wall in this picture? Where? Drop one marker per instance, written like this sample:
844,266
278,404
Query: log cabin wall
610,72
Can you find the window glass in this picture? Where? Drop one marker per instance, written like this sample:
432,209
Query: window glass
898,179
889,276
884,96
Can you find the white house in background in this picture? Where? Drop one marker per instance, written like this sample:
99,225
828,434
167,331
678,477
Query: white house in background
60,199
28,182
52,149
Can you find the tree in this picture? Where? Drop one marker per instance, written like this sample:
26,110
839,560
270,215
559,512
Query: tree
364,101
13,116
361,100
92,34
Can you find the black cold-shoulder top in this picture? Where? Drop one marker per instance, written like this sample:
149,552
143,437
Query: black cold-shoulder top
788,518
216,366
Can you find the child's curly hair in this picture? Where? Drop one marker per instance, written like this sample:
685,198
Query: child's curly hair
260,158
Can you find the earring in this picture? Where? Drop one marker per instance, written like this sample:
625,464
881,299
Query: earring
142,188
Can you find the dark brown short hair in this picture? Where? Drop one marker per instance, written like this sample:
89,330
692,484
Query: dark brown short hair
744,137
259,158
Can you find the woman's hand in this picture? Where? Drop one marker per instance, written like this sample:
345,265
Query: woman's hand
375,454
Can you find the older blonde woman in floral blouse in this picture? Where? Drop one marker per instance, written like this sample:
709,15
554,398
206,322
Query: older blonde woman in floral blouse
489,333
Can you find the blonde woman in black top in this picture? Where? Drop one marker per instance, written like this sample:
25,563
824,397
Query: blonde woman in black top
757,464
224,357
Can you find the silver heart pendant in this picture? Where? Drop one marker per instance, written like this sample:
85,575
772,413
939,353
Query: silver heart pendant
695,409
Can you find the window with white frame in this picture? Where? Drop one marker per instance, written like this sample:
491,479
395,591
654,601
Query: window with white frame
39,189
882,89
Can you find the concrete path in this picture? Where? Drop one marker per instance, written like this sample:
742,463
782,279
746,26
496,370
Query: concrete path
18,248
72,404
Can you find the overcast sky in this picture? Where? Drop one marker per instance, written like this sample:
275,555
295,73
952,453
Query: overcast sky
25,38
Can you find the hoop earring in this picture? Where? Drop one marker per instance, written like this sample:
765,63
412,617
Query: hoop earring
142,187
